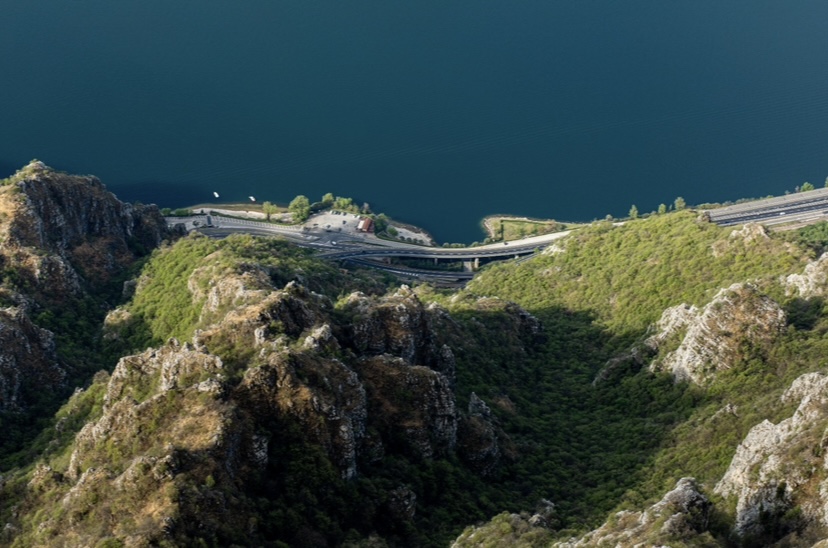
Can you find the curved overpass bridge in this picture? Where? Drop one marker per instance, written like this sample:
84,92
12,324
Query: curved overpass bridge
417,252
363,248
343,246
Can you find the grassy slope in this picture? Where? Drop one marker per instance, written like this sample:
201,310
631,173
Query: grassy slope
164,307
587,448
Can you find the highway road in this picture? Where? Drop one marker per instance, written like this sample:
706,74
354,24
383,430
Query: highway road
360,248
344,243
337,245
444,276
800,208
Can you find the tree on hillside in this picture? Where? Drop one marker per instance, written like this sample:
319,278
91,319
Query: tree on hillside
299,207
679,204
328,199
806,187
380,223
633,212
269,209
662,209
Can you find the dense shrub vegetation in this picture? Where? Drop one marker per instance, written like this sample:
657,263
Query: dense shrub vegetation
586,446
627,275
164,305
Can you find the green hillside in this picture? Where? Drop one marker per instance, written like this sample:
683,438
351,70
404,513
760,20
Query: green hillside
529,339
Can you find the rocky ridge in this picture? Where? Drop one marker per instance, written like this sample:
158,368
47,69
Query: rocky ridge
62,230
681,515
269,368
62,237
778,472
812,282
713,338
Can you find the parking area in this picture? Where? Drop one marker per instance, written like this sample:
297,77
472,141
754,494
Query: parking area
333,221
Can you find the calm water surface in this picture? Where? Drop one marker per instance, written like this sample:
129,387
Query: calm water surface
436,112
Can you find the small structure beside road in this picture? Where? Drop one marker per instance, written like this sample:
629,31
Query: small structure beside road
366,224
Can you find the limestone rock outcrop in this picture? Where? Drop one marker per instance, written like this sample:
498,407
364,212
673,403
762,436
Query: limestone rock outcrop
713,338
412,406
324,396
776,473
396,324
813,282
63,228
680,515
137,385
164,424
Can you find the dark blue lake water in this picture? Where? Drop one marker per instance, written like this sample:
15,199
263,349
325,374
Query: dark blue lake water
436,112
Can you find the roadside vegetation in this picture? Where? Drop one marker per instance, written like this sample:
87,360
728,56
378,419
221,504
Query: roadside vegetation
627,275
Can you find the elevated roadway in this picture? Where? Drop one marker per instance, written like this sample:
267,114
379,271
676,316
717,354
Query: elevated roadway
342,246
361,248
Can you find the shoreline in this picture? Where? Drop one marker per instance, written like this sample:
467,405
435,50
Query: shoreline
253,212
491,224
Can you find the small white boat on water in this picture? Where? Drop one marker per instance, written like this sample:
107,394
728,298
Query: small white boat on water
252,199
215,194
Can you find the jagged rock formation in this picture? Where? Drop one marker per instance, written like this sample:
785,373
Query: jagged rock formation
713,338
478,437
681,515
164,427
60,229
61,237
323,396
396,386
777,473
413,405
398,325
186,432
28,360
813,282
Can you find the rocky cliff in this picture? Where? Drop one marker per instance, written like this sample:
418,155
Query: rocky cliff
811,282
712,339
777,475
28,360
60,230
62,239
682,515
191,433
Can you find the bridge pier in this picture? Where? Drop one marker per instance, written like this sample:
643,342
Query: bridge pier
471,266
